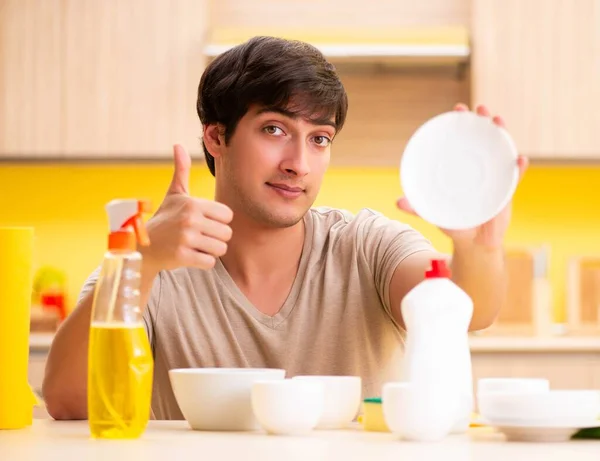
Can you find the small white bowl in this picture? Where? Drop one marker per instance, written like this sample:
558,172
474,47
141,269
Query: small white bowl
342,400
512,384
288,406
219,399
555,407
418,414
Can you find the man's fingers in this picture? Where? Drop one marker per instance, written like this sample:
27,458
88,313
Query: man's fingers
523,163
192,258
499,121
403,204
217,211
482,110
215,229
197,241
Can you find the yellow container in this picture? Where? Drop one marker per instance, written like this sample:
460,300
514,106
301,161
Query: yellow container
372,418
16,279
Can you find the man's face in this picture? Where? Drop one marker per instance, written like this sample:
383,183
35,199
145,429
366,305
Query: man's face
273,165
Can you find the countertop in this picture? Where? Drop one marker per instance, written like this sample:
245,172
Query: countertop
50,440
39,342
534,344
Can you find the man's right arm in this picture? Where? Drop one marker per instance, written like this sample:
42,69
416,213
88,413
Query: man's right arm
184,232
65,380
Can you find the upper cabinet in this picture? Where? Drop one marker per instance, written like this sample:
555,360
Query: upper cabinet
84,78
537,63
118,79
131,72
30,78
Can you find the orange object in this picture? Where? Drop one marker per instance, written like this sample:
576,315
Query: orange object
54,300
127,228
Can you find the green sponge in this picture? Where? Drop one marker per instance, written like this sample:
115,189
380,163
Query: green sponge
588,433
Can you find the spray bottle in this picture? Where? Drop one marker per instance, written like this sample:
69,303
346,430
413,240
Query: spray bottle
120,363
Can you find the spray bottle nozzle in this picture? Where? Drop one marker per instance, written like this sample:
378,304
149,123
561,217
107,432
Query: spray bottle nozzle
125,216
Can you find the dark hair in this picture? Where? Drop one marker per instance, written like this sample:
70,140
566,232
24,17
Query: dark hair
269,71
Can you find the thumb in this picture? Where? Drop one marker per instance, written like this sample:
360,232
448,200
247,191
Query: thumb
180,183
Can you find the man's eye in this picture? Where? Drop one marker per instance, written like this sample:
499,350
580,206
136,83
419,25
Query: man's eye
322,141
272,129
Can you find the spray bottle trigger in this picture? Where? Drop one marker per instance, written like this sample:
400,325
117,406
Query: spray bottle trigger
140,231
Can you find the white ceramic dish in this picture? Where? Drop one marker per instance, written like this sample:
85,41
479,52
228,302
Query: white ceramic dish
342,400
288,406
564,407
411,413
219,399
512,384
550,431
459,170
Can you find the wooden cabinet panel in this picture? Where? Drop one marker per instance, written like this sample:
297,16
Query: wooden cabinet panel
30,77
386,108
131,72
537,62
340,14
84,78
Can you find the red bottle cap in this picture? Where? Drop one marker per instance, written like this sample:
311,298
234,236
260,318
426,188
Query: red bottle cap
439,269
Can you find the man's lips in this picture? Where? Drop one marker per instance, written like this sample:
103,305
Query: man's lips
285,191
285,187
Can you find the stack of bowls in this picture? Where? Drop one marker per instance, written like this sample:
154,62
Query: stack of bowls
249,399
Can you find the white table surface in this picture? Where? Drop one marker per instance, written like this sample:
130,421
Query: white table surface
50,440
40,342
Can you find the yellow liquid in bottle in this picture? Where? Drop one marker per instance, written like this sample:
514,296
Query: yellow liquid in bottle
119,380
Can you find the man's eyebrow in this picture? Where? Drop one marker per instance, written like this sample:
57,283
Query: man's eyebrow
294,116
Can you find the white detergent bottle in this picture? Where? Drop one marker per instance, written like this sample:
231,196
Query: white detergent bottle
437,361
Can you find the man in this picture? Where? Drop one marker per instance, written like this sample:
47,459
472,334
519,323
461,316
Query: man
258,278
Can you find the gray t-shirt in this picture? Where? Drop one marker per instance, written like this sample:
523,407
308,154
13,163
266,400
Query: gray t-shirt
336,319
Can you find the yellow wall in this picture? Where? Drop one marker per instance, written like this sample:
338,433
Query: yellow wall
559,206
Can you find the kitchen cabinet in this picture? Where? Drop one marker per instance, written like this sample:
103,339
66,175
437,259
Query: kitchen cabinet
30,78
103,79
537,63
336,14
131,71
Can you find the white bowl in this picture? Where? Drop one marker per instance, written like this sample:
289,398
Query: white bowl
553,407
512,384
459,170
219,399
342,400
288,406
419,414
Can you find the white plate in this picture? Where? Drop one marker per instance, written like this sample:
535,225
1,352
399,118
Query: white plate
459,170
551,431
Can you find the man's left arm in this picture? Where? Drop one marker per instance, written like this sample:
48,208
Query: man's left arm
481,272
477,262
477,270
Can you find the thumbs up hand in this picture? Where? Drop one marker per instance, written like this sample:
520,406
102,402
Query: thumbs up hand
186,231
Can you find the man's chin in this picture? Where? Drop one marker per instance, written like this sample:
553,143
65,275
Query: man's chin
282,218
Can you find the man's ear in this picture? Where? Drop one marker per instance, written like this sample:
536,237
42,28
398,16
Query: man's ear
214,139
